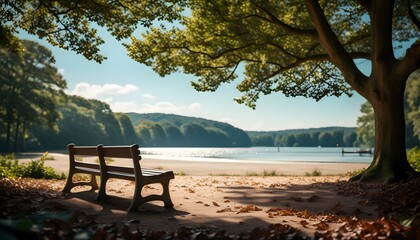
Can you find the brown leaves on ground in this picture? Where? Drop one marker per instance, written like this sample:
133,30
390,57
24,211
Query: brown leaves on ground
398,204
24,196
249,208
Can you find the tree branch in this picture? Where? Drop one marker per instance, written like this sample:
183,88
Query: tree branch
412,16
339,56
273,19
410,62
381,30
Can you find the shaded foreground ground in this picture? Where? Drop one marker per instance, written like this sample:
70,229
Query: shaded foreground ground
225,207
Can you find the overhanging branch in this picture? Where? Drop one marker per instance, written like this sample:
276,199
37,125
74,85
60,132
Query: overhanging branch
410,62
339,56
290,29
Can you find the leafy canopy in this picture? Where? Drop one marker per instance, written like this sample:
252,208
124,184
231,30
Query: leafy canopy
70,24
273,42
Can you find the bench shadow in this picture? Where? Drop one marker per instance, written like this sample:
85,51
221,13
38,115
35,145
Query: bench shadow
116,206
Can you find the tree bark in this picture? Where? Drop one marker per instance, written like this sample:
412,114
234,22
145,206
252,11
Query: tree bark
390,160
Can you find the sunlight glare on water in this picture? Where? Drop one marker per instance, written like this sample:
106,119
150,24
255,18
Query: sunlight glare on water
283,154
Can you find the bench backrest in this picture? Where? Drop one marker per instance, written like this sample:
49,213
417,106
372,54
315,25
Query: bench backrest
101,152
82,150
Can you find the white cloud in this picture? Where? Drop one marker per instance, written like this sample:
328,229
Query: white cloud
157,107
194,107
102,91
148,96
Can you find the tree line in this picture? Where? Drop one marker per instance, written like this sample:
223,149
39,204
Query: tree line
90,122
334,137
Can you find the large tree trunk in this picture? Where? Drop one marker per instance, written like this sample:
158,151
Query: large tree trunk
390,160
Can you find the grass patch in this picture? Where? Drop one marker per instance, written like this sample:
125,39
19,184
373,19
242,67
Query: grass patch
181,173
355,172
47,157
107,160
265,173
224,175
314,173
83,177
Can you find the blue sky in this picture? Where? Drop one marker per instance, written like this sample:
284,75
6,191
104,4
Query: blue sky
128,86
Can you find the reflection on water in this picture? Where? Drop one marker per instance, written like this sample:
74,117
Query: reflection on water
283,154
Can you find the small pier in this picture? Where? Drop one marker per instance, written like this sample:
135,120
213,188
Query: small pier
360,152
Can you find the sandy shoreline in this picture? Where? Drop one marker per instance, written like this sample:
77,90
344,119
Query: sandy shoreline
205,168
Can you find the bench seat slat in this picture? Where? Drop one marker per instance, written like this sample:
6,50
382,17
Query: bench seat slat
113,168
121,175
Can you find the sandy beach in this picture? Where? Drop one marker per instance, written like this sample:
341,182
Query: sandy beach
225,195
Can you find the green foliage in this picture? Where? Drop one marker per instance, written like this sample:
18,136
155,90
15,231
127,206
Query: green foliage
355,173
85,122
314,173
9,167
180,173
7,164
270,173
220,36
325,137
157,129
265,173
31,87
262,140
107,160
70,24
413,156
412,104
366,126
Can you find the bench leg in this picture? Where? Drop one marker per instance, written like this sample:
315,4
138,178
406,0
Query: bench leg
138,199
93,182
166,197
102,190
69,183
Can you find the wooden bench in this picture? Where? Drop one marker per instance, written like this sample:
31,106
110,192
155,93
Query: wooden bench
141,176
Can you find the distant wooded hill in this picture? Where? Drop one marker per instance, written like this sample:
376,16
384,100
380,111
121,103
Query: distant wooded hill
311,137
91,122
160,129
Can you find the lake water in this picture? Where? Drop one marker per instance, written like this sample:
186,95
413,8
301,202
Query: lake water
271,154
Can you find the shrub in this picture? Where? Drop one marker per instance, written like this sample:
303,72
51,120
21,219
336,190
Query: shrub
314,173
9,167
7,164
413,156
